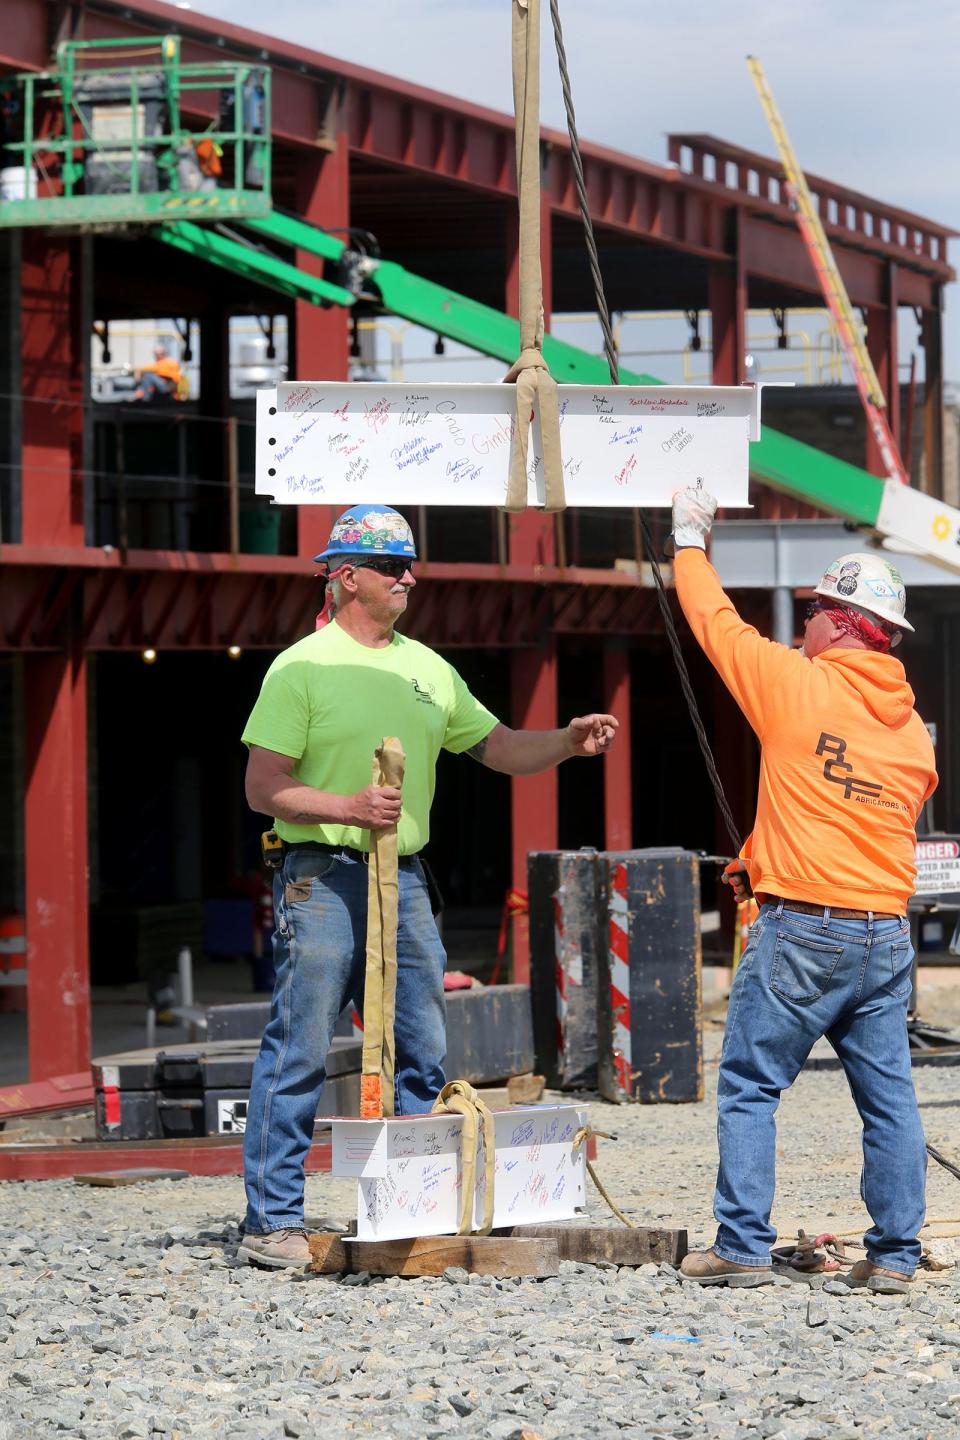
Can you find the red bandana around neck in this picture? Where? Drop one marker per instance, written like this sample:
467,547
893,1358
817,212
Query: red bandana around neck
326,614
859,627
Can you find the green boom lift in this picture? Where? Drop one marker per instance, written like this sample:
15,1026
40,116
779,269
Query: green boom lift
124,132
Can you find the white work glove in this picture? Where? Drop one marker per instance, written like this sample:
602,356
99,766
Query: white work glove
693,512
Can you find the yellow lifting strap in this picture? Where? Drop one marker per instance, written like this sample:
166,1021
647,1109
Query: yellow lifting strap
534,383
459,1098
380,1007
380,986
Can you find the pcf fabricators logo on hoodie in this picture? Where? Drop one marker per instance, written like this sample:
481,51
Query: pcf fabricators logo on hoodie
838,769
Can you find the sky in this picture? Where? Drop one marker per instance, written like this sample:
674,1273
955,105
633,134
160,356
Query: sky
868,89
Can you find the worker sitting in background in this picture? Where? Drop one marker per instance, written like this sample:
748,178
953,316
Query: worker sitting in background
325,705
845,767
163,378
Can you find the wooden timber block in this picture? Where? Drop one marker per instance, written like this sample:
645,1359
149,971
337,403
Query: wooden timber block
525,1089
615,1244
505,1257
130,1177
495,1097
517,1090
329,1256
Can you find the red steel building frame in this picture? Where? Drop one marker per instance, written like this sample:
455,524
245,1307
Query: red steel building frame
352,144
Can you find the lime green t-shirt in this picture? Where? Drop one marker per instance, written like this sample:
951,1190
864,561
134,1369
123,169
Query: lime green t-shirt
329,701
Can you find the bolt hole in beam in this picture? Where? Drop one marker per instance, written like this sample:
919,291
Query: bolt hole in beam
622,446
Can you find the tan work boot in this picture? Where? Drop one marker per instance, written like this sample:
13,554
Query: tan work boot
278,1249
705,1267
877,1279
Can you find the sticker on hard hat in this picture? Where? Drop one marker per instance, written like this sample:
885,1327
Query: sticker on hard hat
850,567
881,589
846,585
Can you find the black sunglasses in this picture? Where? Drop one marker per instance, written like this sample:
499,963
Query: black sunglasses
384,565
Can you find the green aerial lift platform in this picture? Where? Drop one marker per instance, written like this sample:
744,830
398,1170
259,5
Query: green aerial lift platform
122,131
170,145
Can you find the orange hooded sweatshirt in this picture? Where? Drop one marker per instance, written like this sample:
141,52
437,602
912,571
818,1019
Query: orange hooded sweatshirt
846,762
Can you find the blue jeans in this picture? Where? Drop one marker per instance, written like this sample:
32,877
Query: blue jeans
803,976
154,386
320,907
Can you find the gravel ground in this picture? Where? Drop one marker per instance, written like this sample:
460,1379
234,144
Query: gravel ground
124,1316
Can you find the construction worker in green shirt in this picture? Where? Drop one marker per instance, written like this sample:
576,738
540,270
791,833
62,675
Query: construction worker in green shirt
325,704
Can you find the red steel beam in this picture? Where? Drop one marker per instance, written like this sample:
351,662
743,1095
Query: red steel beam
37,596
95,610
58,1092
54,613
210,1156
475,605
132,608
281,591
201,609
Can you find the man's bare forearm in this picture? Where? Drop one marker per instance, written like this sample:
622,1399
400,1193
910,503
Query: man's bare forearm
522,752
299,804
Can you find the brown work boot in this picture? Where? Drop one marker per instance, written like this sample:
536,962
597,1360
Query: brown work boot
705,1267
877,1279
278,1249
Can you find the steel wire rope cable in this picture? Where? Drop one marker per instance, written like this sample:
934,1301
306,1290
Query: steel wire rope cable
603,314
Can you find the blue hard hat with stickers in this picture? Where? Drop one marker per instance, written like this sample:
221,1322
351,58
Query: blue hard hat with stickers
369,530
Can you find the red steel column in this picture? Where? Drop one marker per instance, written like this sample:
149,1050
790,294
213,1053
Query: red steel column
882,349
617,781
55,810
322,336
533,798
58,962
52,370
727,297
532,535
933,414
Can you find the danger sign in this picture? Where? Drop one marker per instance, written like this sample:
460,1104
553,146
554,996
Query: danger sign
938,866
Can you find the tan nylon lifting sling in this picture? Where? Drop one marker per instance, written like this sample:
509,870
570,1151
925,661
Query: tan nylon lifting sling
380,986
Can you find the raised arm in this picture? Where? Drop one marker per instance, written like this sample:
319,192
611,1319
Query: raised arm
273,789
759,673
527,752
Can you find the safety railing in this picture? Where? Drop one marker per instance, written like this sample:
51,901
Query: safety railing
844,212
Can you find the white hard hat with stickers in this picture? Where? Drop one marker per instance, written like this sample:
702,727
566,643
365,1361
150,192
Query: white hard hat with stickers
869,583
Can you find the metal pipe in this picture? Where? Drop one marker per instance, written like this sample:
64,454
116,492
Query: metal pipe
185,976
783,631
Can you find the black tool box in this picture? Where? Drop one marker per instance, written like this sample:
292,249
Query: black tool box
489,1031
201,1089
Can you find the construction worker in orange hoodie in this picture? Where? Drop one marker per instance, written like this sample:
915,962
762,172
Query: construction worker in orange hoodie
161,379
846,765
